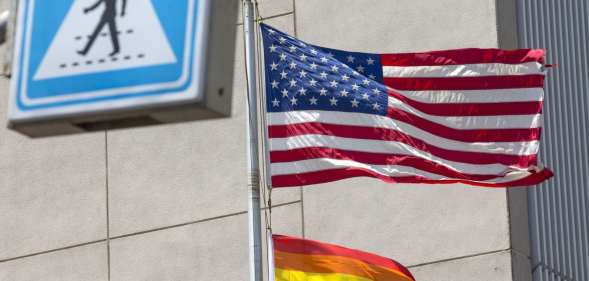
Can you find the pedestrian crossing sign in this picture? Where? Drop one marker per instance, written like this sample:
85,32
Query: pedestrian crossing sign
91,57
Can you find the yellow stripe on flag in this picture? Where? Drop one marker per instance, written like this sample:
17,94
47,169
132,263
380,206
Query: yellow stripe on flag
339,264
293,275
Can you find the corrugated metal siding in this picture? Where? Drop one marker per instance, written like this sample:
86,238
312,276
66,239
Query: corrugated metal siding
559,209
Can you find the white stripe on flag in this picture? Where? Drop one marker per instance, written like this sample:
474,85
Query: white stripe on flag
370,120
465,70
509,148
378,146
476,96
473,122
319,164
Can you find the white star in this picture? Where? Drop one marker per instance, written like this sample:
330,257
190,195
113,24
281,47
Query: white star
292,48
376,91
355,87
293,65
284,93
313,82
293,83
274,84
273,48
371,76
323,92
293,101
345,77
323,75
333,101
303,73
275,103
330,54
271,31
273,66
333,83
334,68
302,44
360,68
313,65
365,96
324,59
313,100
314,52
351,58
370,61
283,74
282,56
344,93
354,103
376,106
303,91
366,81
282,40
303,57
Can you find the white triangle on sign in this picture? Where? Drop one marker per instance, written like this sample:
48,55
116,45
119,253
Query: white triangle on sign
143,41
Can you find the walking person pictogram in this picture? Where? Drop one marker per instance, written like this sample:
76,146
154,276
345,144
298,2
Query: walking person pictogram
93,29
108,18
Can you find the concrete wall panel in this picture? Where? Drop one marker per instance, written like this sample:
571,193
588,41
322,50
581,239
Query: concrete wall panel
212,250
489,267
203,251
412,224
52,191
86,263
397,26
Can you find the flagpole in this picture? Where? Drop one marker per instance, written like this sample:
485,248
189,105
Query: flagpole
254,210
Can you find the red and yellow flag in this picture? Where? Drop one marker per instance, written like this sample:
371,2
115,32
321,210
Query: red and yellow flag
305,260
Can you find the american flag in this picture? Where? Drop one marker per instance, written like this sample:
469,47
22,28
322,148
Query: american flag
469,116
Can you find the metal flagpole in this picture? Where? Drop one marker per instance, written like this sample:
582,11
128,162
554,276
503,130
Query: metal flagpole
254,210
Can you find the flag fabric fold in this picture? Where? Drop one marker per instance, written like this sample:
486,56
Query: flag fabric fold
306,260
471,116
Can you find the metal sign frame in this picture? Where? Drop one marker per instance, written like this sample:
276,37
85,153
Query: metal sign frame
190,88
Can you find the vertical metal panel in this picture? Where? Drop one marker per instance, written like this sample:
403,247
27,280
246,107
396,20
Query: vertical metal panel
559,209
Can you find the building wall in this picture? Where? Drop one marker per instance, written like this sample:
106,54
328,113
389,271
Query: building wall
559,209
169,202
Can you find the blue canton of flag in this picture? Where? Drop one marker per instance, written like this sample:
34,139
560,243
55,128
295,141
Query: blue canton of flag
300,76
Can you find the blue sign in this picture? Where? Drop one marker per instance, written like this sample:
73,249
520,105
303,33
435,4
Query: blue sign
77,57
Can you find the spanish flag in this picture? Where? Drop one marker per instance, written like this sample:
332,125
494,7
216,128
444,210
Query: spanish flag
305,260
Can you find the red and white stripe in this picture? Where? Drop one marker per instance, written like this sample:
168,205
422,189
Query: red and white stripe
460,116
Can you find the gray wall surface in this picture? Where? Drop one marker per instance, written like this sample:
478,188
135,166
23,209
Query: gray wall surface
559,209
169,202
